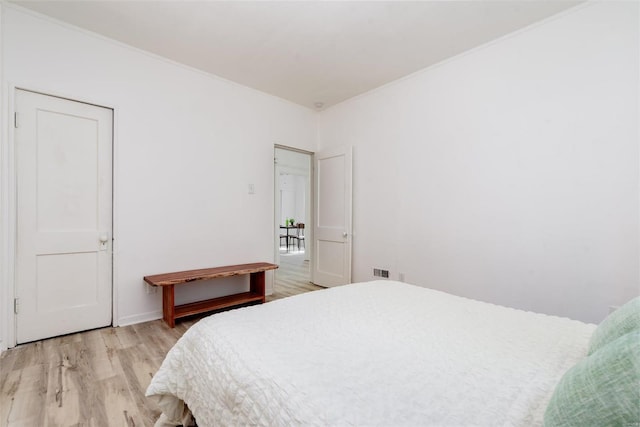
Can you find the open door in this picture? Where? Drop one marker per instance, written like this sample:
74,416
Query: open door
332,231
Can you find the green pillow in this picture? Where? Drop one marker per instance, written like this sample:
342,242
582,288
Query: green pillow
622,321
601,390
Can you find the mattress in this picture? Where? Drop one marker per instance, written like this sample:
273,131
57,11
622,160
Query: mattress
374,353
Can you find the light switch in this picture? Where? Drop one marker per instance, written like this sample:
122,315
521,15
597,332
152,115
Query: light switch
252,189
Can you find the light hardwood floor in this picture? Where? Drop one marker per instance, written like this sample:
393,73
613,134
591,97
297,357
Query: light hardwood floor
99,377
293,276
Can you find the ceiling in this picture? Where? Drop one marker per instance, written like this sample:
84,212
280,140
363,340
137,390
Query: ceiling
308,52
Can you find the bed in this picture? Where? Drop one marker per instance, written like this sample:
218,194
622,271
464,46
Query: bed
375,353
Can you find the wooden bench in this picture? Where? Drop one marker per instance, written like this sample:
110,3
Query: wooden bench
171,312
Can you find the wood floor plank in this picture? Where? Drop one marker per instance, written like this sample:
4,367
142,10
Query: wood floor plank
32,354
119,403
127,337
99,377
24,409
25,387
293,277
156,344
139,370
74,380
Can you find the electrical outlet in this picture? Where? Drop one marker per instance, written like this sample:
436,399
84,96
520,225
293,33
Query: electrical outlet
401,277
151,289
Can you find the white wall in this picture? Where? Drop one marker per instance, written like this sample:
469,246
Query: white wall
301,198
507,174
293,196
187,145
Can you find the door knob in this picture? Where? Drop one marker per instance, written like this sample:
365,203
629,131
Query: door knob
344,234
104,238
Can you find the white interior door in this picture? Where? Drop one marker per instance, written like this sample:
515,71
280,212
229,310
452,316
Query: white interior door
332,231
64,211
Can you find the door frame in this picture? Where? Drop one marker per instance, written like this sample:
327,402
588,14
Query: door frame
308,228
9,206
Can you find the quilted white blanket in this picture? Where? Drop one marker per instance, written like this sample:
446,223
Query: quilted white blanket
376,353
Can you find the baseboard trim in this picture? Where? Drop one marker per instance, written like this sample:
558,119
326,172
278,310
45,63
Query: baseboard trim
140,318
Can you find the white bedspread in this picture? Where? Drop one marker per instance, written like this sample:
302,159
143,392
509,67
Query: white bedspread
376,353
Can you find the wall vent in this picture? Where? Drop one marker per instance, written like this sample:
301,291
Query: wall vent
377,272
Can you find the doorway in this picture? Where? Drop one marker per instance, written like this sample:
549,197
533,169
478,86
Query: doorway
64,216
293,220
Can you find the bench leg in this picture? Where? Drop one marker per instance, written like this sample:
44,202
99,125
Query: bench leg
256,283
168,305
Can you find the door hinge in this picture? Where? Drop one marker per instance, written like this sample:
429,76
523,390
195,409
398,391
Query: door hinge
16,124
16,305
